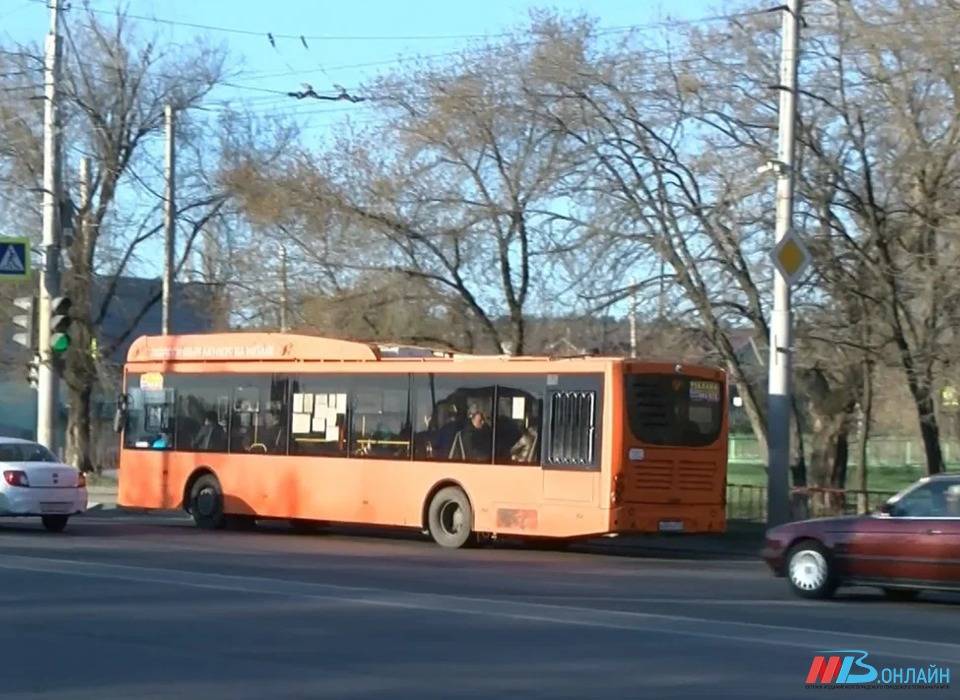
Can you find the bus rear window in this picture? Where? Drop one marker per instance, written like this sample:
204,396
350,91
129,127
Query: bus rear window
672,410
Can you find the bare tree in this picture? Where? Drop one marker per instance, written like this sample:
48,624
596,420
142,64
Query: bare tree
455,191
652,189
115,89
883,182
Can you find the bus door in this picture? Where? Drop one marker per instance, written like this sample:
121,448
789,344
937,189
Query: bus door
572,438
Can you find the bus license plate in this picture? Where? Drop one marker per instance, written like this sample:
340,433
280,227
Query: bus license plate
671,526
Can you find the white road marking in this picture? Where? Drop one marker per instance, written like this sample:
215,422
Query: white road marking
680,625
732,602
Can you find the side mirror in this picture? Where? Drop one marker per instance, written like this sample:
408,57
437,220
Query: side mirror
120,416
887,508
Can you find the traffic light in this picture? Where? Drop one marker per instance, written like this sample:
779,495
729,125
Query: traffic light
27,321
67,211
33,371
60,324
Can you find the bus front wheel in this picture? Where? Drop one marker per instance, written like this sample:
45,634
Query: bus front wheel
206,503
450,517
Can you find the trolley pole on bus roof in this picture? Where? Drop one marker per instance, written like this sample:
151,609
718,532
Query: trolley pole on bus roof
49,287
788,266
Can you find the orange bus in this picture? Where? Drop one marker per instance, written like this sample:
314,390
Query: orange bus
240,426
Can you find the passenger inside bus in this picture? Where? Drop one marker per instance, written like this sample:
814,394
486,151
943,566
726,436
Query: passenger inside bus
449,422
161,442
211,436
242,431
474,442
274,434
524,450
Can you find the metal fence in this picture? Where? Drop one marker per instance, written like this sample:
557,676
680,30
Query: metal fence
881,451
749,501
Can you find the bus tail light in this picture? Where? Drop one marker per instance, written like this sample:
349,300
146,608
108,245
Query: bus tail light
15,477
618,485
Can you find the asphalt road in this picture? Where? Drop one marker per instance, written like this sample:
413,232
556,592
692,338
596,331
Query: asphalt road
147,607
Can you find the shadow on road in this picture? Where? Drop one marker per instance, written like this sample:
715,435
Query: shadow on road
738,544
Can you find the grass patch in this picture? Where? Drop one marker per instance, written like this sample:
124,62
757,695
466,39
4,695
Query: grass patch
878,478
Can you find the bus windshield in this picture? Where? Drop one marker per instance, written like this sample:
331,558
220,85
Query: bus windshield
674,410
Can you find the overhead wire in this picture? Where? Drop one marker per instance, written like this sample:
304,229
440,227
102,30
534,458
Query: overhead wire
267,103
660,24
302,37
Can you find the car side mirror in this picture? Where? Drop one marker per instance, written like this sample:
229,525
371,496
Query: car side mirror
888,508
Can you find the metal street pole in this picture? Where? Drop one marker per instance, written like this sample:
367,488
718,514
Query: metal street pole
169,221
781,325
50,269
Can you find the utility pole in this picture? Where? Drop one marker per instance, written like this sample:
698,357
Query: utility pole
284,291
169,220
781,324
49,288
633,322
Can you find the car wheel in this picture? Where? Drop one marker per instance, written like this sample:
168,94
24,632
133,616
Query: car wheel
810,571
206,503
901,595
450,518
54,523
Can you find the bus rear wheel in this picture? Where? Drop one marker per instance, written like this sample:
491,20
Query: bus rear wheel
206,503
450,518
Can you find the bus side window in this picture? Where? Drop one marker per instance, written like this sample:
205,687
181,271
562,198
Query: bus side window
244,422
453,417
380,417
518,421
574,429
202,423
318,415
258,423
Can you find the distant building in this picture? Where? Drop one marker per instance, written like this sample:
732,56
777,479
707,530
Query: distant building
129,315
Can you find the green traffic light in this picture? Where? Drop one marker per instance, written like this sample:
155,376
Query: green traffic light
60,342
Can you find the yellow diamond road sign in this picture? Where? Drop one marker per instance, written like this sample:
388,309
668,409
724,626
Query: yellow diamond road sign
791,257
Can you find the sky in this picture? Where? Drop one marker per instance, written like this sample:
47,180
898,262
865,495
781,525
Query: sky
344,43
340,38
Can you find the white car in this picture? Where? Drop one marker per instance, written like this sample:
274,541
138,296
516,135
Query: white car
36,483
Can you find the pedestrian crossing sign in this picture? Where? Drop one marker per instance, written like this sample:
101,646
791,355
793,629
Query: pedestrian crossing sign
14,258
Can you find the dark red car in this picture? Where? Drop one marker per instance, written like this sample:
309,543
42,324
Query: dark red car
911,543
